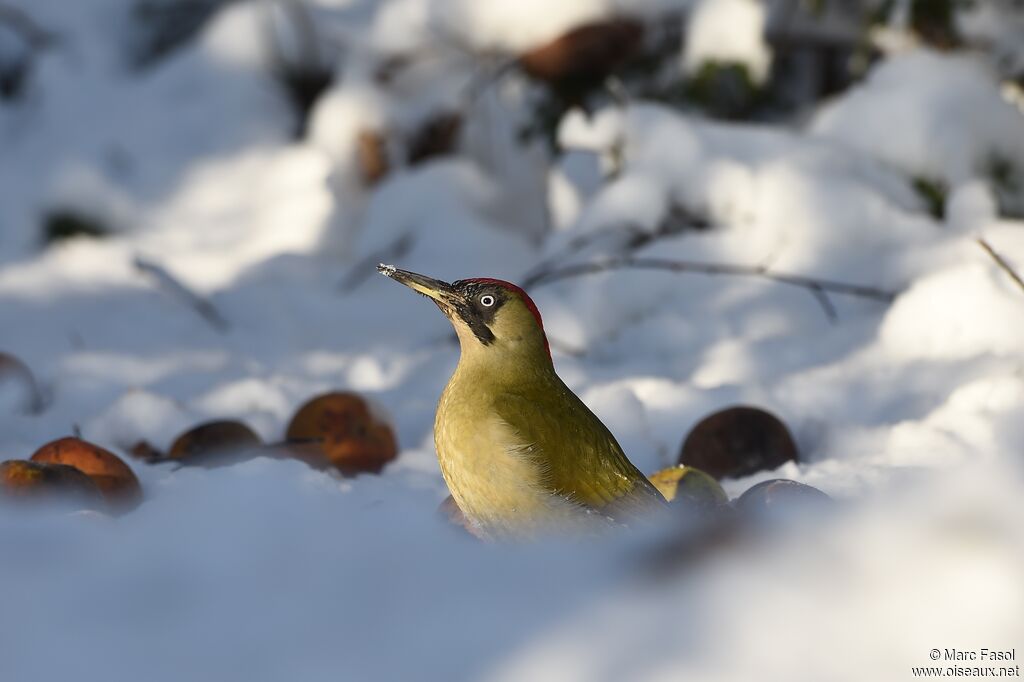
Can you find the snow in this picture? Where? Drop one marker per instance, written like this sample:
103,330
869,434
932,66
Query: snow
995,23
512,25
945,118
727,32
942,316
908,413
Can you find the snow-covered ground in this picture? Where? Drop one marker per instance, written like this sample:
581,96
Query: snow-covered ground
911,413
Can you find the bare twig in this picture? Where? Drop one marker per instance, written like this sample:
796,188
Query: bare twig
18,20
359,272
825,302
33,40
306,38
173,286
633,236
574,245
1001,262
11,366
820,288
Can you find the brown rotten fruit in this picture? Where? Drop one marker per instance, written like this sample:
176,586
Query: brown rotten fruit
24,479
214,443
737,442
347,432
112,476
580,60
372,156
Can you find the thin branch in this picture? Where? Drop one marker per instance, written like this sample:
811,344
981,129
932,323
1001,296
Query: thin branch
173,286
574,245
632,237
367,266
820,288
1001,262
825,302
36,401
18,20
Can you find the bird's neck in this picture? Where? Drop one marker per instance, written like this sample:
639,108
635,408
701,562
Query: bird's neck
504,364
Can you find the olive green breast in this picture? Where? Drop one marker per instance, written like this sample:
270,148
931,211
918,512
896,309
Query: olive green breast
498,483
520,452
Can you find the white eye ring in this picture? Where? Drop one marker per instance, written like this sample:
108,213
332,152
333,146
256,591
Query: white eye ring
487,300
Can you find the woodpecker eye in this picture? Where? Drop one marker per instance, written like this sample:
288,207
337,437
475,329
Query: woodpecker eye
487,300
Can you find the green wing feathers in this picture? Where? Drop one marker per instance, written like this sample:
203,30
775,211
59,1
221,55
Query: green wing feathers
579,456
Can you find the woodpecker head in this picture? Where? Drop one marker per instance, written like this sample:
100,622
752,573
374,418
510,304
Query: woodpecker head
490,316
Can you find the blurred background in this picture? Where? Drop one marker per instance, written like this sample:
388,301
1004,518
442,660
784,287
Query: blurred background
778,239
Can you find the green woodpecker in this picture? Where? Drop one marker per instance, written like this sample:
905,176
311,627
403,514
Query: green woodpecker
519,451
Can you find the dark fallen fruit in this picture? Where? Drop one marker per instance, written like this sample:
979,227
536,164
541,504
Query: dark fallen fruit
144,450
779,499
22,479
738,441
346,432
372,156
689,487
214,443
584,57
114,478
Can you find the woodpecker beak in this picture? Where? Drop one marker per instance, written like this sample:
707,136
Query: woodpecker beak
442,293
